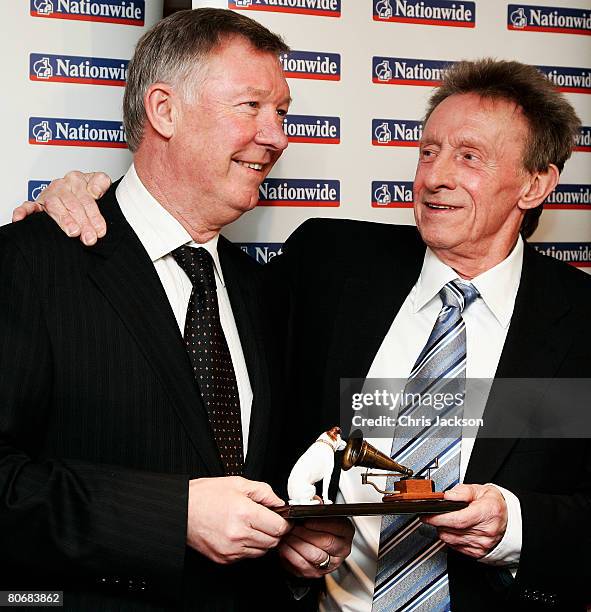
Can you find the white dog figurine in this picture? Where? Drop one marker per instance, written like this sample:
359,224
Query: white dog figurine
317,463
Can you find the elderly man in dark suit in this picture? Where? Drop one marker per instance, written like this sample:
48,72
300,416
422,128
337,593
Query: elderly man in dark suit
462,296
131,453
466,296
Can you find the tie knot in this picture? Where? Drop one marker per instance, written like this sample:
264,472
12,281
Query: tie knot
197,264
458,294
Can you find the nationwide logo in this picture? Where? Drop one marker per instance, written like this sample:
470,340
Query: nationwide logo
396,132
573,197
313,129
34,188
311,65
75,69
407,71
583,141
571,80
262,252
577,254
76,132
128,12
548,19
391,194
300,192
323,8
427,12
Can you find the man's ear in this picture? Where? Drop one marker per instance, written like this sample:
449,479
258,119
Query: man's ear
159,102
540,186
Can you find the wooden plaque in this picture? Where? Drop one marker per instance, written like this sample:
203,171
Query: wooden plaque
428,506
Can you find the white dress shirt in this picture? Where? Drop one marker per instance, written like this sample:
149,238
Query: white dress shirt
350,588
160,233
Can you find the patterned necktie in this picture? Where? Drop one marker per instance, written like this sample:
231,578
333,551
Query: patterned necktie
412,561
210,357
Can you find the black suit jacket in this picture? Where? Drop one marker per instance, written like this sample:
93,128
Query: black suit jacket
102,424
346,281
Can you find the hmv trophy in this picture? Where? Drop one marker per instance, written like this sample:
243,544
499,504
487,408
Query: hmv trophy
403,491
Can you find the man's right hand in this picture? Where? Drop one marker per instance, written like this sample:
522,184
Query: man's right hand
229,518
71,203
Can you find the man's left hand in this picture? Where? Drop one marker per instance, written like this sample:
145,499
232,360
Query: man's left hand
313,542
477,529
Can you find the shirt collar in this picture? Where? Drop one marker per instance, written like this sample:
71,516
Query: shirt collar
159,232
497,286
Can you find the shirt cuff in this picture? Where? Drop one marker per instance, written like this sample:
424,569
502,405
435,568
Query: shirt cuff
508,550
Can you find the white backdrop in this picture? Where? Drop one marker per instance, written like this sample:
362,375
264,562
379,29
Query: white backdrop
359,83
60,63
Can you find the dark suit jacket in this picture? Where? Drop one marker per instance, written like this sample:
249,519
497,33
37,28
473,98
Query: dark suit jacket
102,424
346,282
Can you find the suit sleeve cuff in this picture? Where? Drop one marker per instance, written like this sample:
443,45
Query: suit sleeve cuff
508,550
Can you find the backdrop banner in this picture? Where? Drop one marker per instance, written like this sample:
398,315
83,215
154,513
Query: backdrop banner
65,64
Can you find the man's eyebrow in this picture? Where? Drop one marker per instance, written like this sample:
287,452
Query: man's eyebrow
253,91
429,138
470,141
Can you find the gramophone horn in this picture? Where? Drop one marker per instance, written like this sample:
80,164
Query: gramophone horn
362,454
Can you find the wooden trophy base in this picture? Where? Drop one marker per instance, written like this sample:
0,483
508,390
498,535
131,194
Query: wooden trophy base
416,497
413,489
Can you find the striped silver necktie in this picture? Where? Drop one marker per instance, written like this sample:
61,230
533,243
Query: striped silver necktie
412,561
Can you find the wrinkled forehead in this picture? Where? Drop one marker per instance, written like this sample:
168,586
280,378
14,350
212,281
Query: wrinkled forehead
236,64
471,106
477,117
233,49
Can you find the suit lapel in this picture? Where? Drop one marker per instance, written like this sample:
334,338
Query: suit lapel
244,286
123,272
535,345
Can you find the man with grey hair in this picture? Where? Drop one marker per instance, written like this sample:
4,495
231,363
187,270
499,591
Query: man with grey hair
138,422
463,294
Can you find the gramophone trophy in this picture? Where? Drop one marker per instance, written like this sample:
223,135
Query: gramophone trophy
410,494
358,452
